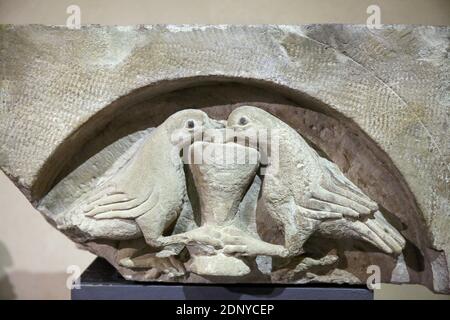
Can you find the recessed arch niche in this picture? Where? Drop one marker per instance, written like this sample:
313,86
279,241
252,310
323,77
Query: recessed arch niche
89,151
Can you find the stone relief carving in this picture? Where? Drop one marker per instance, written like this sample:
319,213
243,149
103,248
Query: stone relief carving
373,155
280,186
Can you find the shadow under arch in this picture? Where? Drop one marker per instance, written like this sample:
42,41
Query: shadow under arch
56,165
328,130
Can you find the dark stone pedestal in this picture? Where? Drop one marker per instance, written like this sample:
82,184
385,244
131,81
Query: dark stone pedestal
101,281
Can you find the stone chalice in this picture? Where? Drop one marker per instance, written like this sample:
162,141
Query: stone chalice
222,174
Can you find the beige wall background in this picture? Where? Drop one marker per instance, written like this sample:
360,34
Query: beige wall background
34,257
428,12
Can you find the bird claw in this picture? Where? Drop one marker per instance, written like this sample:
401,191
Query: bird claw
171,250
157,265
308,263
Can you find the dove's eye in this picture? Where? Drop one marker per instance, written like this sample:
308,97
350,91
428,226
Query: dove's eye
243,121
190,124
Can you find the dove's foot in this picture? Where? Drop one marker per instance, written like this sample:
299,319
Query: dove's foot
302,267
170,250
228,240
158,265
248,246
308,263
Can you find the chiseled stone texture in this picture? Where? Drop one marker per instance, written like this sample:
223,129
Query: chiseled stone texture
393,83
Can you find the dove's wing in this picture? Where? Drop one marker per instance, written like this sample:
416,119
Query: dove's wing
137,187
335,193
112,201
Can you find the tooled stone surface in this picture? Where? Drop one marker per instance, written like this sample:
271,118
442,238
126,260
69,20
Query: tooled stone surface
391,83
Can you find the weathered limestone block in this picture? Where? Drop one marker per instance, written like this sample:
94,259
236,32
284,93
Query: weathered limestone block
76,106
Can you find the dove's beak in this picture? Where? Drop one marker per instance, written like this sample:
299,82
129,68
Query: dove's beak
214,131
218,124
218,135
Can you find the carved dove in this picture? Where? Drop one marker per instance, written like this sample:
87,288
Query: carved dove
305,193
151,188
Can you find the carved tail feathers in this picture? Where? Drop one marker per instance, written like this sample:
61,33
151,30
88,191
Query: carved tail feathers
386,232
375,230
366,221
